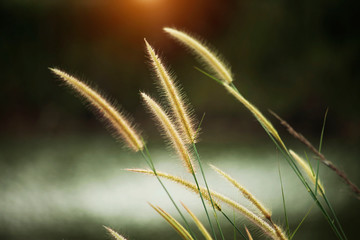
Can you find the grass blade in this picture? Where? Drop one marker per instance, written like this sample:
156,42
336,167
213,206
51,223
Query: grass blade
172,221
301,222
284,203
248,233
198,223
322,130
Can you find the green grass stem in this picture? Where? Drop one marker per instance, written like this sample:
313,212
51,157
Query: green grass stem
301,222
207,187
323,130
203,203
234,225
146,155
292,164
283,200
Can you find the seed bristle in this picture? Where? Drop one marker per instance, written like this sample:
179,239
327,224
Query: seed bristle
117,121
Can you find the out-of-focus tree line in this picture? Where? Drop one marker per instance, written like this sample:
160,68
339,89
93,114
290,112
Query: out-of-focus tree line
294,57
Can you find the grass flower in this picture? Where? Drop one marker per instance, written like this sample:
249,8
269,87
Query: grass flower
114,234
175,99
307,169
221,71
210,58
117,121
266,227
180,181
266,213
170,131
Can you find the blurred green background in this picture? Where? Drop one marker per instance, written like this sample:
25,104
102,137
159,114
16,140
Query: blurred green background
58,165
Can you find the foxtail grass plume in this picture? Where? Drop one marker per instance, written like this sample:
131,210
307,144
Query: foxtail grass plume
307,169
267,229
222,72
117,121
114,234
172,221
171,132
188,185
198,223
211,59
266,213
175,99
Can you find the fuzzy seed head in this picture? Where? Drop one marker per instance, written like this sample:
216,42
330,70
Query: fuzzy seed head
269,230
170,131
188,185
114,234
266,213
211,60
175,99
117,121
307,169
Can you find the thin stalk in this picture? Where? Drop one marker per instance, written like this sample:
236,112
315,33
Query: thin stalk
317,177
322,130
207,188
203,174
299,174
283,199
307,158
149,161
302,179
209,75
333,213
297,228
234,225
202,200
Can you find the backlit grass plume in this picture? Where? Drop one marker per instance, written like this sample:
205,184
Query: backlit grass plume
172,221
117,121
266,213
305,166
268,229
188,185
114,234
170,131
210,58
223,73
175,99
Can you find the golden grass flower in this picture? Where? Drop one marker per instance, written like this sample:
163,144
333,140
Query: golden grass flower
116,120
266,227
305,166
114,234
170,132
175,99
266,213
211,59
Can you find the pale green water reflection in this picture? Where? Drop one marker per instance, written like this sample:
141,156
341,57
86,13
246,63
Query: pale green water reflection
67,188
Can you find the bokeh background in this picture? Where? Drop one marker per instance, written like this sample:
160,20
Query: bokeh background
61,172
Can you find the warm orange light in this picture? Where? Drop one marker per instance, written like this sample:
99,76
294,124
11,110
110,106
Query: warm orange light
132,20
